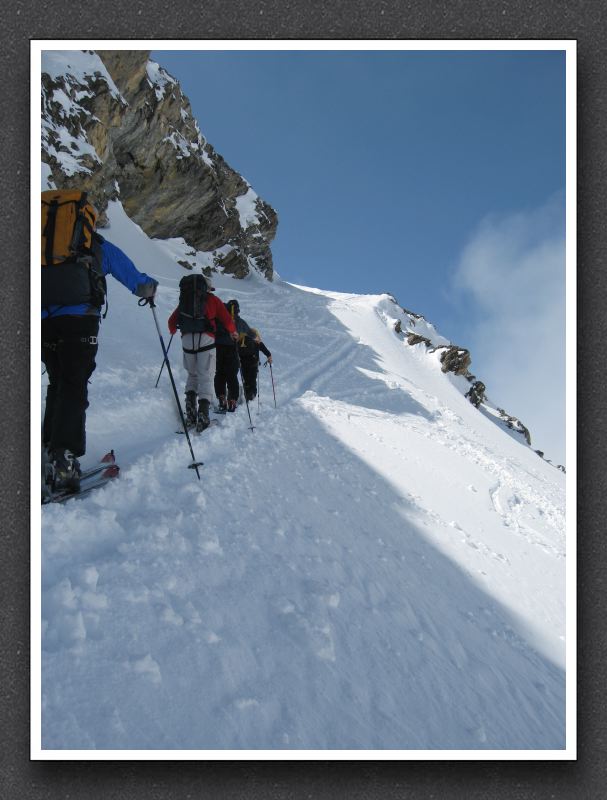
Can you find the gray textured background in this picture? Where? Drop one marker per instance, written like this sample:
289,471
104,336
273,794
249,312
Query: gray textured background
416,19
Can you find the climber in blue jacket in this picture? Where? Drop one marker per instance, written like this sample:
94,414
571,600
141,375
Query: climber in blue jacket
69,347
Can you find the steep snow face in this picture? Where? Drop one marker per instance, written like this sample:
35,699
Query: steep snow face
376,566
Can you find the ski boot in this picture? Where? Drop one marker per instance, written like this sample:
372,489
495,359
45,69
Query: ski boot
223,406
203,420
232,404
191,414
65,472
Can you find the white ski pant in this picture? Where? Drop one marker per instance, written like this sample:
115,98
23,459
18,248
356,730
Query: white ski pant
200,366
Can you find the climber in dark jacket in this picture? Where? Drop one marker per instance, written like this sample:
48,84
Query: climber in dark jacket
227,361
248,350
69,348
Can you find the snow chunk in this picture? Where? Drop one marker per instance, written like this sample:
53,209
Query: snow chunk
180,143
67,149
246,205
159,79
59,96
147,666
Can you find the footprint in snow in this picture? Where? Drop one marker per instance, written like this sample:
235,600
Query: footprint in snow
145,666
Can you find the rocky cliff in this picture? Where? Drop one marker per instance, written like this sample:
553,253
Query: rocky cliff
118,125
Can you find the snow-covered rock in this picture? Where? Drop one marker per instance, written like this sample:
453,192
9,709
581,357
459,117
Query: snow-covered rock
118,125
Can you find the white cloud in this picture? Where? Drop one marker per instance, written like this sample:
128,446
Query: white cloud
514,269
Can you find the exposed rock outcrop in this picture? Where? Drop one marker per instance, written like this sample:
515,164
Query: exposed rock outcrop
476,393
417,338
457,360
118,125
515,424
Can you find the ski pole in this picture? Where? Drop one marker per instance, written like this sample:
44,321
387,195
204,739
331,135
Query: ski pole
272,376
162,367
251,426
150,301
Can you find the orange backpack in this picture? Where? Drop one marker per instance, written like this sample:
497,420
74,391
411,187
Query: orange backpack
70,255
68,224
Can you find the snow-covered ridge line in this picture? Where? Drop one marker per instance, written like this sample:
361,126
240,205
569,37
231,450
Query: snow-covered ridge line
414,329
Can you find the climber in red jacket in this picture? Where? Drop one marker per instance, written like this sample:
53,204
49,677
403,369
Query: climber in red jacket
196,317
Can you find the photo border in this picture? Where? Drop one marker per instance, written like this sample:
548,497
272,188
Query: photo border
355,780
566,754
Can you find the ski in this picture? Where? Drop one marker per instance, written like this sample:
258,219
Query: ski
219,410
103,463
92,479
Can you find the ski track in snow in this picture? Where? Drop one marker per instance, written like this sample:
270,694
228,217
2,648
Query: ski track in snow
376,566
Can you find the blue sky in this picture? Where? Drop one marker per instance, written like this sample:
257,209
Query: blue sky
392,171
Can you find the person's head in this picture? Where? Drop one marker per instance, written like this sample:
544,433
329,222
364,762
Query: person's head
233,308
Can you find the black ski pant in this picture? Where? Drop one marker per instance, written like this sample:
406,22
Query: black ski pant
226,371
249,366
69,347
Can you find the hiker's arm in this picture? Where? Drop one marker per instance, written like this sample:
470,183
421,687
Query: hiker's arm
120,266
173,322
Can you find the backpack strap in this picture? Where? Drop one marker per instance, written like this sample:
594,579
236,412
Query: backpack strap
200,349
81,223
49,231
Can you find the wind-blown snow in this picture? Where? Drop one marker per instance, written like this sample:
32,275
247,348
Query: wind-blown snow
377,565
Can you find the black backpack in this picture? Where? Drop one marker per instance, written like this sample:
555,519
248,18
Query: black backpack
192,305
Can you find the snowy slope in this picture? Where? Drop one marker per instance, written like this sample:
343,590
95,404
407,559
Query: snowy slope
378,565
